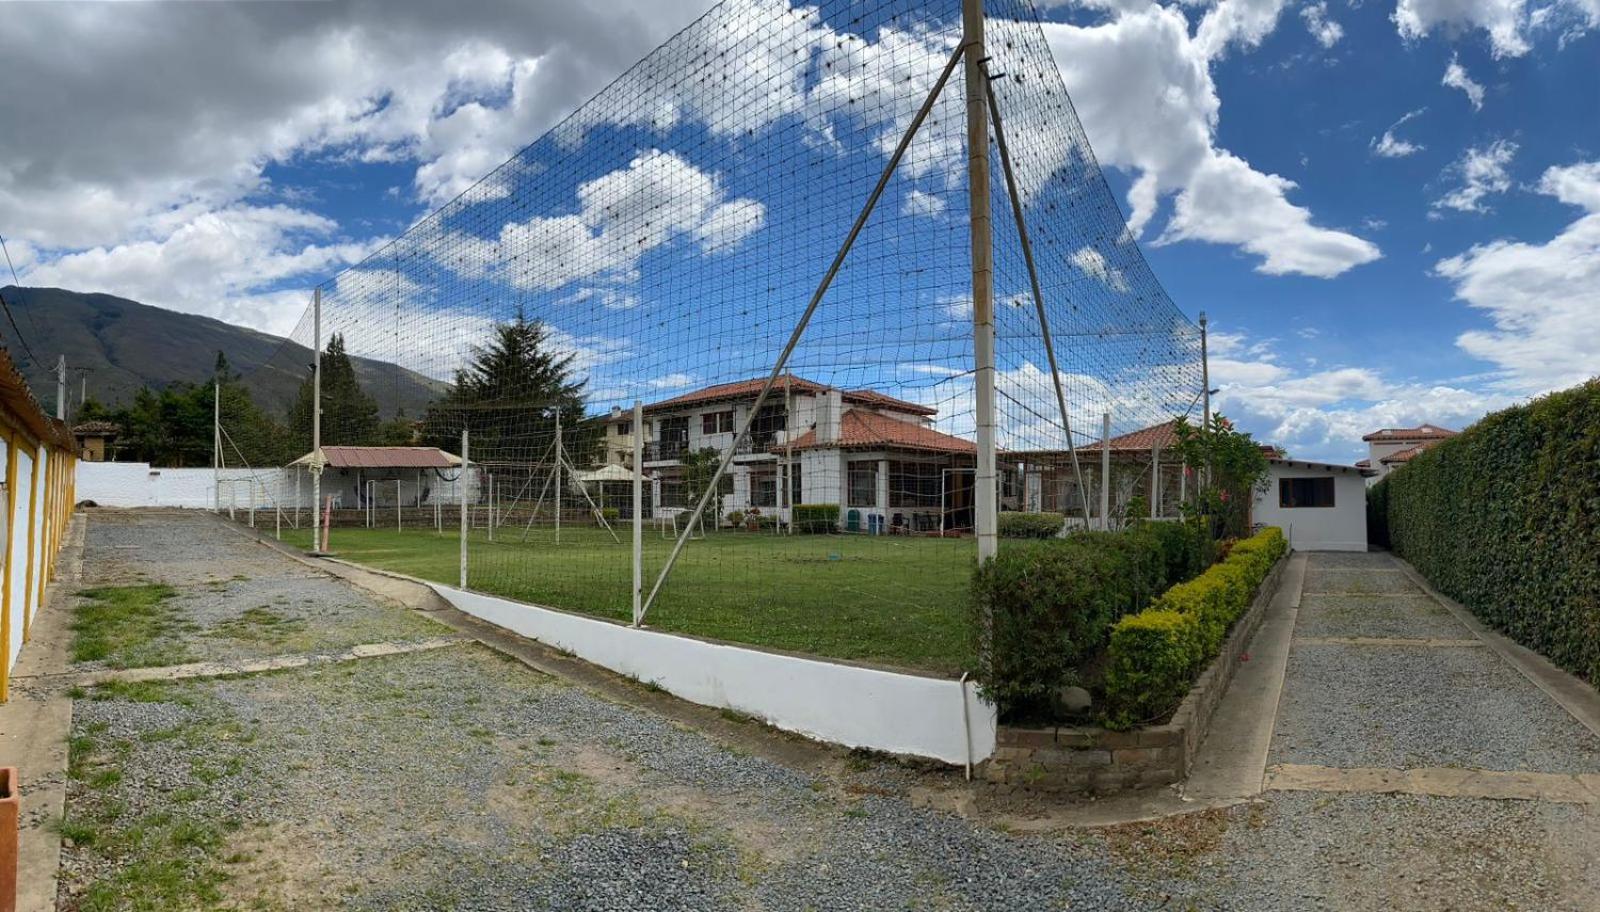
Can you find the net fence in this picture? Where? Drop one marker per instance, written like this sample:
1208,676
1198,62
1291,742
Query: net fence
660,245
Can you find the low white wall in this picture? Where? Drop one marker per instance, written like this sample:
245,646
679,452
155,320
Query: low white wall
1341,527
843,704
137,484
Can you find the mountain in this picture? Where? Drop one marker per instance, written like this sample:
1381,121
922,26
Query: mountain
127,345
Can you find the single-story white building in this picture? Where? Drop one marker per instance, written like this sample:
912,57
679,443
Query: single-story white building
1319,506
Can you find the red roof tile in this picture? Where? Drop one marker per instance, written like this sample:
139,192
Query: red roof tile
1405,455
860,428
1164,434
1408,435
745,389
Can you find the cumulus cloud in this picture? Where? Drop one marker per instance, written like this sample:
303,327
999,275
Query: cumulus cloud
1455,77
1390,146
1142,85
1326,31
1505,21
1093,263
1482,171
1542,298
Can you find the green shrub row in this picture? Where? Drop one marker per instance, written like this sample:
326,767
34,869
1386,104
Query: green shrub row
1155,655
1505,518
1031,525
816,519
1041,611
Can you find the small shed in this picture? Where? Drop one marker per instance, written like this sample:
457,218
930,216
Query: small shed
1320,506
94,439
385,475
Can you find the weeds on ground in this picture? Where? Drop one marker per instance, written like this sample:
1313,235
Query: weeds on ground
260,624
125,626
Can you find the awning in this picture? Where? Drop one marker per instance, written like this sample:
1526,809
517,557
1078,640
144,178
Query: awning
378,457
604,474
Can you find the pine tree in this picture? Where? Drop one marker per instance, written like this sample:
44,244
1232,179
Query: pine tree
349,415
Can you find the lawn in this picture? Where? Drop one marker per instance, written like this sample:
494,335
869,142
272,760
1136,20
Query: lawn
887,600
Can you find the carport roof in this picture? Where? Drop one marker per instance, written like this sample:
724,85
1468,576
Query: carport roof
381,457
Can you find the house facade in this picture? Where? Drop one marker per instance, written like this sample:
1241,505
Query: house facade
1390,448
1146,477
878,457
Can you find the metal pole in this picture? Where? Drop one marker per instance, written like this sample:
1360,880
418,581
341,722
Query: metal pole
1038,294
61,388
638,512
805,318
318,534
986,508
1105,471
560,456
462,475
397,524
1155,481
1205,373
216,445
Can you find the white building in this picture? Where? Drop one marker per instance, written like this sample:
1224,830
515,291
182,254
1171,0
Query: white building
1390,448
1319,506
877,457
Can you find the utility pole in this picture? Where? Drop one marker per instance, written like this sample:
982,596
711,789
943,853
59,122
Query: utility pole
61,388
216,444
318,533
985,493
1205,373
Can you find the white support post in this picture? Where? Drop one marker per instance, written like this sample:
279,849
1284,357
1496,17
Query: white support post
985,488
318,534
1105,471
1155,481
560,457
638,512
397,505
216,446
462,497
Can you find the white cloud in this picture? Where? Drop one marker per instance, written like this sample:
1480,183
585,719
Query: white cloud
1506,21
1543,298
1391,146
1326,31
1482,171
1093,263
1142,86
1455,77
917,202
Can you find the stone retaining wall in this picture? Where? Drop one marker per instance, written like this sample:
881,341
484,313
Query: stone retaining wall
1099,761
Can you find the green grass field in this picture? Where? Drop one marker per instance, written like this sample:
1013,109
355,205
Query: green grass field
886,600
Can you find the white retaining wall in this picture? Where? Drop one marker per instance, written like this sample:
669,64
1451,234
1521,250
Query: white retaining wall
137,484
843,704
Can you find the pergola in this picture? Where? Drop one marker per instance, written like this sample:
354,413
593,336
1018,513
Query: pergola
371,464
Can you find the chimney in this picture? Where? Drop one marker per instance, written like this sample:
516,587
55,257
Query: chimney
830,413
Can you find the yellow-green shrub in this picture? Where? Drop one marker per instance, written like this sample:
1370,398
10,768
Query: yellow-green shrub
1143,677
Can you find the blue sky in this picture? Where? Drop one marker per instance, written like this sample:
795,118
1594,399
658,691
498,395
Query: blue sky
1437,255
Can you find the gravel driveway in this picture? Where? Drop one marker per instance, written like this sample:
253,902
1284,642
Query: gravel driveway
460,779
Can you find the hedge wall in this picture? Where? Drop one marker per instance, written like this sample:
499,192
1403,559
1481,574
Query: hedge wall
1505,518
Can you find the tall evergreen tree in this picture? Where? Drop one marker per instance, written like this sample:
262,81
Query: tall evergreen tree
349,415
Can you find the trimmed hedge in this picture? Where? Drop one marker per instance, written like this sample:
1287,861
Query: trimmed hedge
1156,654
1505,518
1049,606
1031,525
816,518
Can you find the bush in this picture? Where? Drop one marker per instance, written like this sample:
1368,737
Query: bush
736,519
1049,606
1143,678
1185,548
1031,525
1505,518
612,515
816,518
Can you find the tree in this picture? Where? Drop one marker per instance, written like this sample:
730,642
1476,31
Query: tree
349,415
507,397
1229,468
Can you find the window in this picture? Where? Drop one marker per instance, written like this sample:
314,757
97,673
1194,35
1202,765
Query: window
864,484
914,484
764,490
1305,492
717,422
624,428
794,485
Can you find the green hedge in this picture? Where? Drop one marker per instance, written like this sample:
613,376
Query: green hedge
1031,525
816,518
1505,518
1049,606
1155,655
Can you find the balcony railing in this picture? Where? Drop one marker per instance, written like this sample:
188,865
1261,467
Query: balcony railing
663,450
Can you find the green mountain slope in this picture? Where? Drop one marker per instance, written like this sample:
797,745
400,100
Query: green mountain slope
127,345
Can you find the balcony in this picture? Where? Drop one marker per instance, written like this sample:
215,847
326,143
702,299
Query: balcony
665,450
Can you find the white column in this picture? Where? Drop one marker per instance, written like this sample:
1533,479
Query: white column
638,510
466,521
1105,471
985,492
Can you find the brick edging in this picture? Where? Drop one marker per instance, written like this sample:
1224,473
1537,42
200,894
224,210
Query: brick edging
1091,759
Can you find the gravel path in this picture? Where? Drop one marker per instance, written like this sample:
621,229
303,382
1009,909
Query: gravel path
1410,707
459,779
236,600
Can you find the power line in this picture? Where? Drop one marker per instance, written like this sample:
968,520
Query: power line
17,282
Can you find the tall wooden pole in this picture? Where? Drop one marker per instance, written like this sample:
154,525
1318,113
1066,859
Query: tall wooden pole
985,494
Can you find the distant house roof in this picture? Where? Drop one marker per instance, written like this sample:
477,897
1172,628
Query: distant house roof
1363,463
744,389
97,429
380,457
1403,456
1409,435
861,429
1163,435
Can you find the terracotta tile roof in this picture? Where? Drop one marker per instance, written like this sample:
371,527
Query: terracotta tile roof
1403,456
1363,463
860,428
1164,434
16,399
745,389
1407,435
97,429
380,457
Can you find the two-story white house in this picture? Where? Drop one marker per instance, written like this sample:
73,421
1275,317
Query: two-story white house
878,457
1390,448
